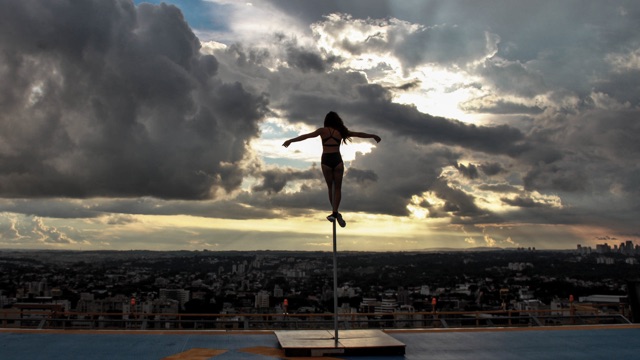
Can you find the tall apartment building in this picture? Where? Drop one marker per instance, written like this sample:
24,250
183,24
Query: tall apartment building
262,299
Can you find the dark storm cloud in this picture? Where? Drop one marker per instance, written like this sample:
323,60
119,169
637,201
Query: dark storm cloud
457,202
223,209
442,44
623,86
500,107
101,98
513,78
53,208
469,171
305,60
522,202
491,168
274,180
375,104
600,153
555,177
301,58
403,171
362,176
499,188
595,150
118,211
408,86
614,131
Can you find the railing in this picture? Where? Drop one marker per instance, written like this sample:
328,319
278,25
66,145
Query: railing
413,320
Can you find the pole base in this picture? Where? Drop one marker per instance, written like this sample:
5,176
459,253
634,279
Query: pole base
351,343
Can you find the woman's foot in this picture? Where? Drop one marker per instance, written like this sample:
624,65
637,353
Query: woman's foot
337,216
332,217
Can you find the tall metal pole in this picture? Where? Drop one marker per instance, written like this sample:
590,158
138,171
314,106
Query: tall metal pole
335,271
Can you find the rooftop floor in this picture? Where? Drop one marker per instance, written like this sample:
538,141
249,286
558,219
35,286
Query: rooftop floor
580,342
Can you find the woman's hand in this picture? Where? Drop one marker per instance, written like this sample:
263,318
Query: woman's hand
286,143
376,138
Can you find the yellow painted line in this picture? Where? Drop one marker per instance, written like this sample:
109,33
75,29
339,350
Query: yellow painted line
196,354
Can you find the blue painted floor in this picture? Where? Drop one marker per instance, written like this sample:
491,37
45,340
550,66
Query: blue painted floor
621,342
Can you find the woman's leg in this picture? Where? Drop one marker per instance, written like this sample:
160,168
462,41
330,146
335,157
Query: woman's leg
337,178
327,171
331,176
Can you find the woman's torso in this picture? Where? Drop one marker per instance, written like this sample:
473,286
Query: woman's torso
331,139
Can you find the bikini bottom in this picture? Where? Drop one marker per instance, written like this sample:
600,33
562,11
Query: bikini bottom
331,159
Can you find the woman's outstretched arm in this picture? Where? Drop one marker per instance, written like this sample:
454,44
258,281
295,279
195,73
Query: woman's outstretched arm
302,137
365,135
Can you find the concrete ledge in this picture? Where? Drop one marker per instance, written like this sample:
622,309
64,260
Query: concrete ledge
350,343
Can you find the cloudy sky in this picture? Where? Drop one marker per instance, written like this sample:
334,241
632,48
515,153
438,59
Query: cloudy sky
137,125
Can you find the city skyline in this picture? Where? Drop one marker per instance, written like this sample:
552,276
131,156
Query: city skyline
148,125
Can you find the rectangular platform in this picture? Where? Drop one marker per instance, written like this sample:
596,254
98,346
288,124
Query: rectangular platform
350,343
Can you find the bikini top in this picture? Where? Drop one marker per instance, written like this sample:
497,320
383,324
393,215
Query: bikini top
337,140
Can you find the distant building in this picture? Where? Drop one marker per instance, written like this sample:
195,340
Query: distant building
181,295
462,289
403,297
262,299
346,291
159,306
532,304
368,305
614,299
241,269
627,247
520,266
559,307
603,248
160,281
295,273
4,300
115,304
583,250
605,260
386,306
525,294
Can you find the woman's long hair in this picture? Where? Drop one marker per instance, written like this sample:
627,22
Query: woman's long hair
333,120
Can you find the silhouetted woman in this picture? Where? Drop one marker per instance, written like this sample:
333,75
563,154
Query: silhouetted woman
332,134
